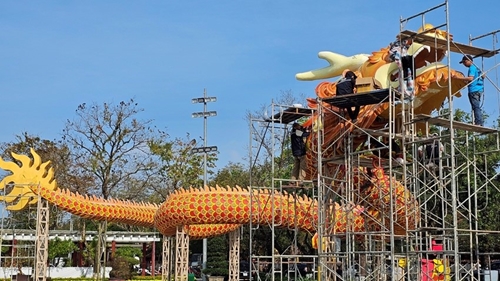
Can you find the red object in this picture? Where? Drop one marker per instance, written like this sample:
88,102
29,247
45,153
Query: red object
436,247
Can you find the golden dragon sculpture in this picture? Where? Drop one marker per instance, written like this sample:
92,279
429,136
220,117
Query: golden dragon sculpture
211,211
208,212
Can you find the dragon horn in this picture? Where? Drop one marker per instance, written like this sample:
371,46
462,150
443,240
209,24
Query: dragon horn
337,64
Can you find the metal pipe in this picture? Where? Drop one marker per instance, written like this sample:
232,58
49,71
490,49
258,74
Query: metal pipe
426,11
484,35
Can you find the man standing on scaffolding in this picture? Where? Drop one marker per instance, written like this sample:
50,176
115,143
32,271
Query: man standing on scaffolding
347,86
475,88
398,53
299,152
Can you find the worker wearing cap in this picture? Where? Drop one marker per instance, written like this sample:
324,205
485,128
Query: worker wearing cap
476,88
299,152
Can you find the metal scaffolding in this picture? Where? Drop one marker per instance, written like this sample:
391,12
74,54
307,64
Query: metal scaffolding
268,136
448,230
449,192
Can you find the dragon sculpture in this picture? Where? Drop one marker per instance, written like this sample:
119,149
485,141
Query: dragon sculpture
211,211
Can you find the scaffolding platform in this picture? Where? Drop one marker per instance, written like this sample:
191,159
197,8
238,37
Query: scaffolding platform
360,99
364,162
290,114
442,44
456,124
381,133
289,184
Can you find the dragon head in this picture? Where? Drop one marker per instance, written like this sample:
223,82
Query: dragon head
425,58
24,179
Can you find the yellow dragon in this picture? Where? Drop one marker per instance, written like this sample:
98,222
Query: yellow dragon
212,211
205,212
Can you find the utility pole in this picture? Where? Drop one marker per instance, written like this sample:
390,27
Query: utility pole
205,149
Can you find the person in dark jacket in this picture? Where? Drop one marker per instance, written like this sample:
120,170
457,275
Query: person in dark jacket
347,86
299,151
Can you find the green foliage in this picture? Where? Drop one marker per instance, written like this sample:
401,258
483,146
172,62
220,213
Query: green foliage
217,257
60,248
231,175
178,166
129,254
89,252
121,268
123,262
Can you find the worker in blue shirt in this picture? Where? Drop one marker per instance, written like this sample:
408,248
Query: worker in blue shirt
476,88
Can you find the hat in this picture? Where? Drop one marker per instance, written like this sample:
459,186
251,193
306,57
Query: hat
350,74
466,57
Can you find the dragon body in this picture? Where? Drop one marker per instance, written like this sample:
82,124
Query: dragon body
381,202
209,211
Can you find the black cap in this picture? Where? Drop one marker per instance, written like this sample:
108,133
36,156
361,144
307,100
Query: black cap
466,57
350,74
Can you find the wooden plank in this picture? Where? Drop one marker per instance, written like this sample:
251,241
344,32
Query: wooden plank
456,125
454,46
365,98
290,114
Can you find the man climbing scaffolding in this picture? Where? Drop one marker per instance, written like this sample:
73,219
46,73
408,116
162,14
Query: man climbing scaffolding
398,53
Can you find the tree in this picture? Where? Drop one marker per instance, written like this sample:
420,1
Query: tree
111,145
59,248
231,175
124,261
217,258
178,166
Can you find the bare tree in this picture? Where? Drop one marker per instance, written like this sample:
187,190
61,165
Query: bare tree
111,144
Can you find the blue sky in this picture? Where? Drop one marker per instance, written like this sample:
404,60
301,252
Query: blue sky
55,55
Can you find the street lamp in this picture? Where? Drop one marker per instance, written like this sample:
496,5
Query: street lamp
204,114
204,99
205,149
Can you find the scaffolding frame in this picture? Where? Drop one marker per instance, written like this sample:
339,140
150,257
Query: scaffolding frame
21,250
442,202
449,212
276,264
